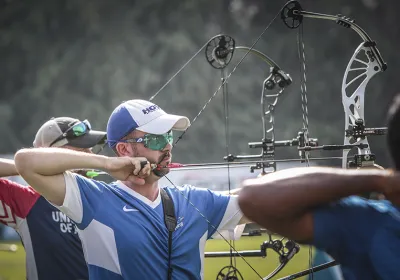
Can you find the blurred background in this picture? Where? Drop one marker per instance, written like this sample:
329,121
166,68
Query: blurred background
83,58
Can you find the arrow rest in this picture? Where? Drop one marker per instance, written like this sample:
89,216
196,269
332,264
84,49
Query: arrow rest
219,51
229,273
262,166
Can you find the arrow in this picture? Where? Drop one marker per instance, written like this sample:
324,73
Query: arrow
94,173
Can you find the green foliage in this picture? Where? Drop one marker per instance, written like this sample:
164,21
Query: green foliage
82,58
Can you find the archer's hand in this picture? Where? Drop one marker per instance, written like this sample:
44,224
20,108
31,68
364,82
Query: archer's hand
128,169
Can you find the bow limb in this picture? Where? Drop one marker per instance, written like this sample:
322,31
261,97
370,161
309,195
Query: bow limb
348,23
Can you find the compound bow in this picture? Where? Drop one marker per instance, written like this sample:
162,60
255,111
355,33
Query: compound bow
219,52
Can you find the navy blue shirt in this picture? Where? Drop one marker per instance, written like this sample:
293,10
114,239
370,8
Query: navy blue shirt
362,235
52,245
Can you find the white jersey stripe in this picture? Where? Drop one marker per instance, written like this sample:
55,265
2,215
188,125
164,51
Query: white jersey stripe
31,271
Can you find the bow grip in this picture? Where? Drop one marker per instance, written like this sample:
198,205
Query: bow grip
143,163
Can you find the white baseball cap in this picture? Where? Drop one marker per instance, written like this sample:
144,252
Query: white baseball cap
144,116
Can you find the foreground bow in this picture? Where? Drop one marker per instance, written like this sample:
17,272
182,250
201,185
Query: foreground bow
365,63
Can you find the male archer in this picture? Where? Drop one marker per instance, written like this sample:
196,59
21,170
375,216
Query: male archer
320,206
52,246
122,225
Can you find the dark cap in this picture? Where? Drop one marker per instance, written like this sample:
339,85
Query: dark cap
56,127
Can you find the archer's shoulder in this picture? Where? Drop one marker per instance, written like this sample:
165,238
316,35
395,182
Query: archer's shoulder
85,182
184,187
188,189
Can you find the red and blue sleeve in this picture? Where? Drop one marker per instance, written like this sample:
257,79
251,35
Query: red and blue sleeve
16,201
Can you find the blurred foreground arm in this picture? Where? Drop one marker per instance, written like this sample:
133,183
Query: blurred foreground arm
244,219
283,201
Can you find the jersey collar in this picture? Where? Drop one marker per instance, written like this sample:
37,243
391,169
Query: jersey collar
152,204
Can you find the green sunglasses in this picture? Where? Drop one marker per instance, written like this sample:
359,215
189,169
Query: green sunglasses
76,130
153,141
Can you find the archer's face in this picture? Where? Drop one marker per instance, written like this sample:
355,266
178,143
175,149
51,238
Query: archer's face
162,157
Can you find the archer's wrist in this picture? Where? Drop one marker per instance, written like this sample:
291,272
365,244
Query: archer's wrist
102,162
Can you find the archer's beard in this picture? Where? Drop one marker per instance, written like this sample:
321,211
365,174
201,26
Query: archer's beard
161,172
165,159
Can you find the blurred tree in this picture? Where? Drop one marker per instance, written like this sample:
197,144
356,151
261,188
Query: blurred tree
82,58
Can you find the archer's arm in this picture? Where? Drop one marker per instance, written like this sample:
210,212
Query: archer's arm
7,168
43,169
283,202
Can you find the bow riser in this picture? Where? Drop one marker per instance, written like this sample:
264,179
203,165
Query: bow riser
362,67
